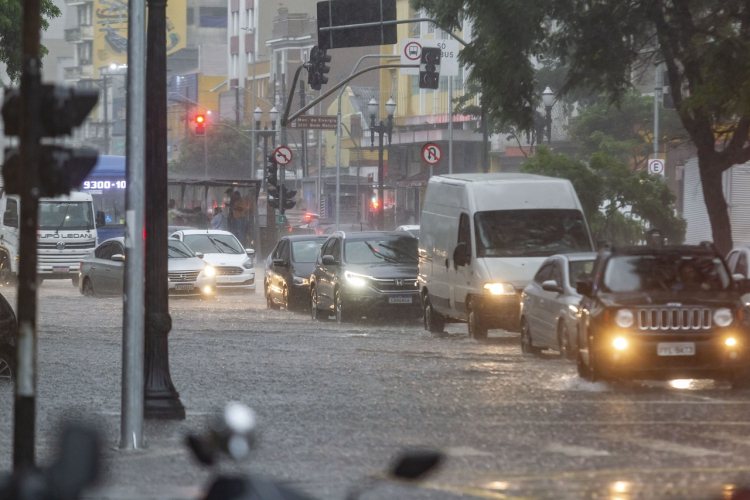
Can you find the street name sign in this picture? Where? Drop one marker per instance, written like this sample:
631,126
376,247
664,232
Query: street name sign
312,122
411,53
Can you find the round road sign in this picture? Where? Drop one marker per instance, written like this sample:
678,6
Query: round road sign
656,167
413,51
282,155
431,153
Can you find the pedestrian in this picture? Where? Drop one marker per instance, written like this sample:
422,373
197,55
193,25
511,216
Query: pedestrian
237,207
219,221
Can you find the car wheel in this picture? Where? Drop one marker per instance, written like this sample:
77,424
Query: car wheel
7,278
342,314
434,322
477,330
6,366
285,299
527,344
567,351
584,371
87,289
314,311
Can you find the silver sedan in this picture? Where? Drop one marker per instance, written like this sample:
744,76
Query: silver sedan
549,305
102,271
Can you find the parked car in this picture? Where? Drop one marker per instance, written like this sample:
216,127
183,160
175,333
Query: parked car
549,305
352,227
102,271
411,229
483,239
366,273
288,271
234,265
663,313
8,340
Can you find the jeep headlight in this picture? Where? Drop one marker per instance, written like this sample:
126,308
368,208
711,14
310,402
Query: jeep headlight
723,317
299,280
248,264
356,280
209,271
500,288
624,318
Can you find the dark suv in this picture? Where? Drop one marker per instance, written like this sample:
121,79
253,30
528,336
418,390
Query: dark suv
663,313
366,273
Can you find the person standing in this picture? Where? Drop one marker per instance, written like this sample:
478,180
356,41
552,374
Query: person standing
238,207
219,221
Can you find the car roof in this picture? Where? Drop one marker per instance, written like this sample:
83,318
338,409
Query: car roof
306,237
205,231
407,227
119,239
664,250
575,257
370,234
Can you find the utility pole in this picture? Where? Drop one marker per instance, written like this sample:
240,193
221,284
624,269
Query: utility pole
658,84
303,132
237,104
106,117
161,400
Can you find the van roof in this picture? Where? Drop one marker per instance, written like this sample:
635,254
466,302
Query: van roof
492,177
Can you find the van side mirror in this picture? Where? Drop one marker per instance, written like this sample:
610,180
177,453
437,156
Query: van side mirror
10,219
328,260
118,257
461,255
584,287
250,252
552,286
199,255
281,263
100,219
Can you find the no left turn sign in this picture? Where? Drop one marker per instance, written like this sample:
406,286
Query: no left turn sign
282,155
431,153
656,167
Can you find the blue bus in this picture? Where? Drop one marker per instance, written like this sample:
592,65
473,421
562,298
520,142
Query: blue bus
106,185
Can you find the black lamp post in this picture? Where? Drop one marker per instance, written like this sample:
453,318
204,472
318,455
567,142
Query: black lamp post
548,98
380,129
161,400
266,134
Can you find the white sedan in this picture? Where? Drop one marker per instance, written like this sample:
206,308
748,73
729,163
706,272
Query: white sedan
233,264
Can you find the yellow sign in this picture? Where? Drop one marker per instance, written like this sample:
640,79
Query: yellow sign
111,30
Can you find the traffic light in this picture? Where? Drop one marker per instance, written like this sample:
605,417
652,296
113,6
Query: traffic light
60,169
271,172
374,204
273,195
317,68
288,198
429,68
200,125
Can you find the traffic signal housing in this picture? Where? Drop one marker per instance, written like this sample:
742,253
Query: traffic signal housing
200,125
288,198
317,68
61,169
272,170
429,68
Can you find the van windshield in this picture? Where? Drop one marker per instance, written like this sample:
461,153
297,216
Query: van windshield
60,215
530,233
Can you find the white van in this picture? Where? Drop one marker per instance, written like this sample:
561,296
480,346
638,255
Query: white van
482,239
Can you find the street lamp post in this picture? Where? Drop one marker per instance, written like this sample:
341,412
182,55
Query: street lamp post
381,129
161,400
266,134
548,98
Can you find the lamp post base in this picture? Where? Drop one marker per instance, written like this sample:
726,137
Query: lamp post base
165,406
161,401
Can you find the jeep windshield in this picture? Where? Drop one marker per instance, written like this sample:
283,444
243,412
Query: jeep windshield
66,215
530,233
665,272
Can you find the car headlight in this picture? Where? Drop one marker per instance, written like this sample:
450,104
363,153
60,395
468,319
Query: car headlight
500,288
248,264
299,280
723,317
624,318
354,279
209,271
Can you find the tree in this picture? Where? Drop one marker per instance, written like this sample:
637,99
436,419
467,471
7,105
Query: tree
228,152
11,24
619,203
702,43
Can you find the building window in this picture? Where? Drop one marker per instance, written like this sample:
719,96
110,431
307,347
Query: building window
235,23
443,85
415,85
458,81
394,82
250,23
213,17
85,14
84,53
190,16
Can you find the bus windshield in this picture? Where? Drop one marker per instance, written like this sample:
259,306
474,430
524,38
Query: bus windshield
63,215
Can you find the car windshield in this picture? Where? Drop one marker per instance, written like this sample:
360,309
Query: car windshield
213,243
665,272
530,233
577,269
398,250
306,251
178,250
59,215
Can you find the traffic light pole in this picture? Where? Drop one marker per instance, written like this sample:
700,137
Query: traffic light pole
24,411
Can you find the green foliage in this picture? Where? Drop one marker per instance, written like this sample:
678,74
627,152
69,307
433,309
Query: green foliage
11,23
619,204
228,151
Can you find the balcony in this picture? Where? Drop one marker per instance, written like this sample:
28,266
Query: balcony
77,35
72,3
74,73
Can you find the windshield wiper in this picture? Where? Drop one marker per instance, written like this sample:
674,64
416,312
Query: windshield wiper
173,249
234,250
213,242
400,251
384,257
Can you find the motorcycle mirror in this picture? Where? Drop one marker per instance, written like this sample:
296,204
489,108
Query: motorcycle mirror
413,465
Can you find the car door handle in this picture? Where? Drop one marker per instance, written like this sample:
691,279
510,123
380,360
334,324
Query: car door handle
107,270
447,264
93,267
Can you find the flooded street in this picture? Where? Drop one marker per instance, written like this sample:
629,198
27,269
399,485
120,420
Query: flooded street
338,402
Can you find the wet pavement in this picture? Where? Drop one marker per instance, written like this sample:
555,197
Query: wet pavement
336,403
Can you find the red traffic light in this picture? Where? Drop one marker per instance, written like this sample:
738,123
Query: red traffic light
200,118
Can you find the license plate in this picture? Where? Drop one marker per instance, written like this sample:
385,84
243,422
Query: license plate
184,288
61,269
399,300
675,349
